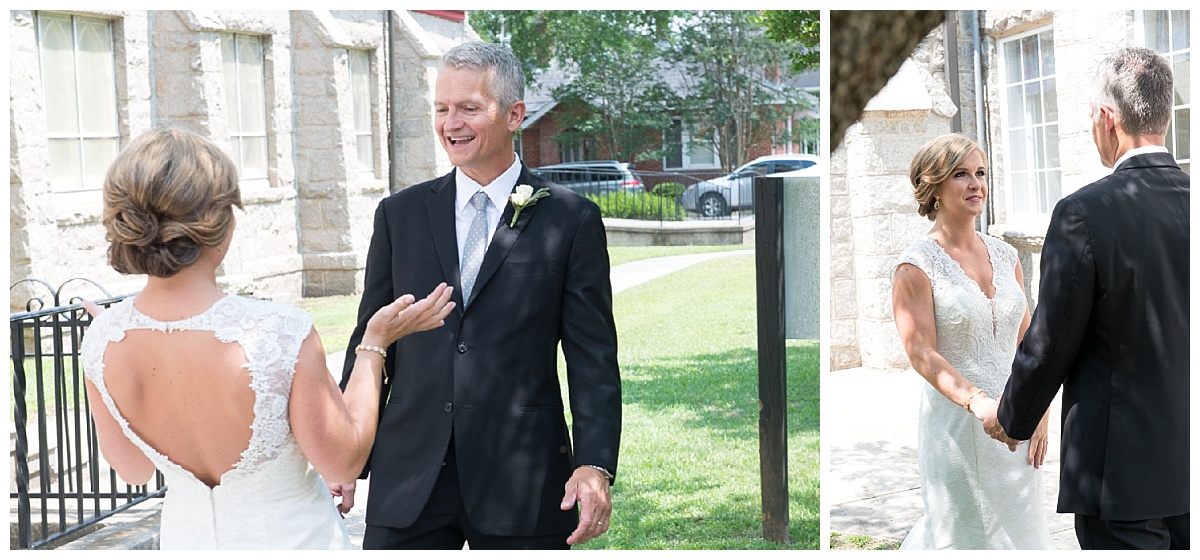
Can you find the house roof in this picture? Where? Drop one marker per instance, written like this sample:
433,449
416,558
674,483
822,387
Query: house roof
539,97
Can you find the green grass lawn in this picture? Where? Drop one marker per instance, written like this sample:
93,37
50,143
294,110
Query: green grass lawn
689,475
689,472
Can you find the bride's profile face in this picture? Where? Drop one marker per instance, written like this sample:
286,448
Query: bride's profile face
965,191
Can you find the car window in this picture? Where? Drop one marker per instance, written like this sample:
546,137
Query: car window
782,166
754,170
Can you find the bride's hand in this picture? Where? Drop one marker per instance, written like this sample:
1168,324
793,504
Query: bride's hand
406,316
1040,442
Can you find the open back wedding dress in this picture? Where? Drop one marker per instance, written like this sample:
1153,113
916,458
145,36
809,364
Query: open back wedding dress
977,494
271,498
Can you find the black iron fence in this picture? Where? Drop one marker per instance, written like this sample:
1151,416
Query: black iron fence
662,196
62,487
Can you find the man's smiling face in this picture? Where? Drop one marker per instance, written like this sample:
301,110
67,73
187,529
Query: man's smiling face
474,129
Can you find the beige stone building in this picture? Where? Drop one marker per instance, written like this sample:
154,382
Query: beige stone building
1017,82
299,99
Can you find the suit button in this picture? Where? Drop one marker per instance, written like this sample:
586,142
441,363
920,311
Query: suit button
448,407
462,347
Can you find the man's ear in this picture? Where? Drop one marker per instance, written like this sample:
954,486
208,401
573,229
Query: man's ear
516,116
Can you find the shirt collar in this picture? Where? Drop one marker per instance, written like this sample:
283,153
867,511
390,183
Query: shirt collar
498,190
1138,152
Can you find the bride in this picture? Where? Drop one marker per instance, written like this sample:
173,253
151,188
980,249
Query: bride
229,397
960,309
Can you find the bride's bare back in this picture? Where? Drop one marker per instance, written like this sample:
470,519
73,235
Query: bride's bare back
187,394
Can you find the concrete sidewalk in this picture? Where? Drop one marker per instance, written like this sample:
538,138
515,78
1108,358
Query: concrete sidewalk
869,427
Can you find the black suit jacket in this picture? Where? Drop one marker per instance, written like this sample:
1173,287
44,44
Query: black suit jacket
489,376
1111,328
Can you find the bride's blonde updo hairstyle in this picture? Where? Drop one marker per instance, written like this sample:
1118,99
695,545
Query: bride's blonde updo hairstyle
167,195
933,164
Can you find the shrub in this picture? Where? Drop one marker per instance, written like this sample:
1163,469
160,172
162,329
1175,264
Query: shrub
669,190
637,206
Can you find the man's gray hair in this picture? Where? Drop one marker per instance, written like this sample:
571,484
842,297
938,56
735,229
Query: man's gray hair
507,82
1138,85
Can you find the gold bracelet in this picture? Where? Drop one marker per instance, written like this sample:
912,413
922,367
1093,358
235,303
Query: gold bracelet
976,394
376,349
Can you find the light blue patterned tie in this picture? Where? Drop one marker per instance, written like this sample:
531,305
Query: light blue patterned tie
475,246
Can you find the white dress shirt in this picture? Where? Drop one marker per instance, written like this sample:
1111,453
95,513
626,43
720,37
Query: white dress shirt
1138,152
497,192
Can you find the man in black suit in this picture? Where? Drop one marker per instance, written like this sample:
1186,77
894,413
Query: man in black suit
1111,325
472,444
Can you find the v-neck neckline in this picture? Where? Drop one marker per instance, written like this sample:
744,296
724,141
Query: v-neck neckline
963,272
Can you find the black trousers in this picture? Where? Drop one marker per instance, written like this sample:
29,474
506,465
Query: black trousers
444,524
1162,533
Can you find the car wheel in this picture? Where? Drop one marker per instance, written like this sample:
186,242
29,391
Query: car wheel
713,205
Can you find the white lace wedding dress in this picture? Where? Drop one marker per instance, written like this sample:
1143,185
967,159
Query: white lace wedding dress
977,494
272,498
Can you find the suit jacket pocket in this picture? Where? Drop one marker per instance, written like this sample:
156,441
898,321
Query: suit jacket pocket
531,267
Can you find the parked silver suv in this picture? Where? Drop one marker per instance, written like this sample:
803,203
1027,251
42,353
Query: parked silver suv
721,196
593,177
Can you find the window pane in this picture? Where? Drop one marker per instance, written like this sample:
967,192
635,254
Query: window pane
254,158
1156,28
1052,160
229,68
1029,58
57,44
674,147
250,84
1046,53
1012,57
1019,188
1181,30
1016,108
701,153
1183,136
1053,190
363,144
1017,158
97,77
1050,99
1033,95
66,171
98,154
1182,67
360,86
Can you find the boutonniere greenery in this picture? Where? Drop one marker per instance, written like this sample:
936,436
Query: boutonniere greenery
522,197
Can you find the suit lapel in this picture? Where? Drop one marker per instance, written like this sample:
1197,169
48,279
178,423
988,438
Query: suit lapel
505,237
440,208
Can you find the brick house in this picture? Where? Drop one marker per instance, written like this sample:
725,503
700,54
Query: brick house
543,122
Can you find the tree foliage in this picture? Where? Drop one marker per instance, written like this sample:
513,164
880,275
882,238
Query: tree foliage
735,77
731,68
802,27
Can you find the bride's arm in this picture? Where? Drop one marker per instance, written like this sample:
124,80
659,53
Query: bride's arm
122,455
336,429
912,307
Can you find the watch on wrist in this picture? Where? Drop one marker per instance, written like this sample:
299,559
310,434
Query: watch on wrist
603,471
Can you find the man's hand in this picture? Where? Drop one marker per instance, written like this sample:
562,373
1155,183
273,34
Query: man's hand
985,409
346,492
590,488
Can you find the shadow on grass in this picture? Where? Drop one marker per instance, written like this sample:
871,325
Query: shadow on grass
678,503
720,391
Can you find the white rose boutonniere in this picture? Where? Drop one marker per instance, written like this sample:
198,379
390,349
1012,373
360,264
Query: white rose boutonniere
522,197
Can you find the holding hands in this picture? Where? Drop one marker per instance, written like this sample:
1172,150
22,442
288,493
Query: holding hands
984,408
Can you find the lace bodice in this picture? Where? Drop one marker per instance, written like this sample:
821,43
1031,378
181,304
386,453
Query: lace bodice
977,494
271,498
976,334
